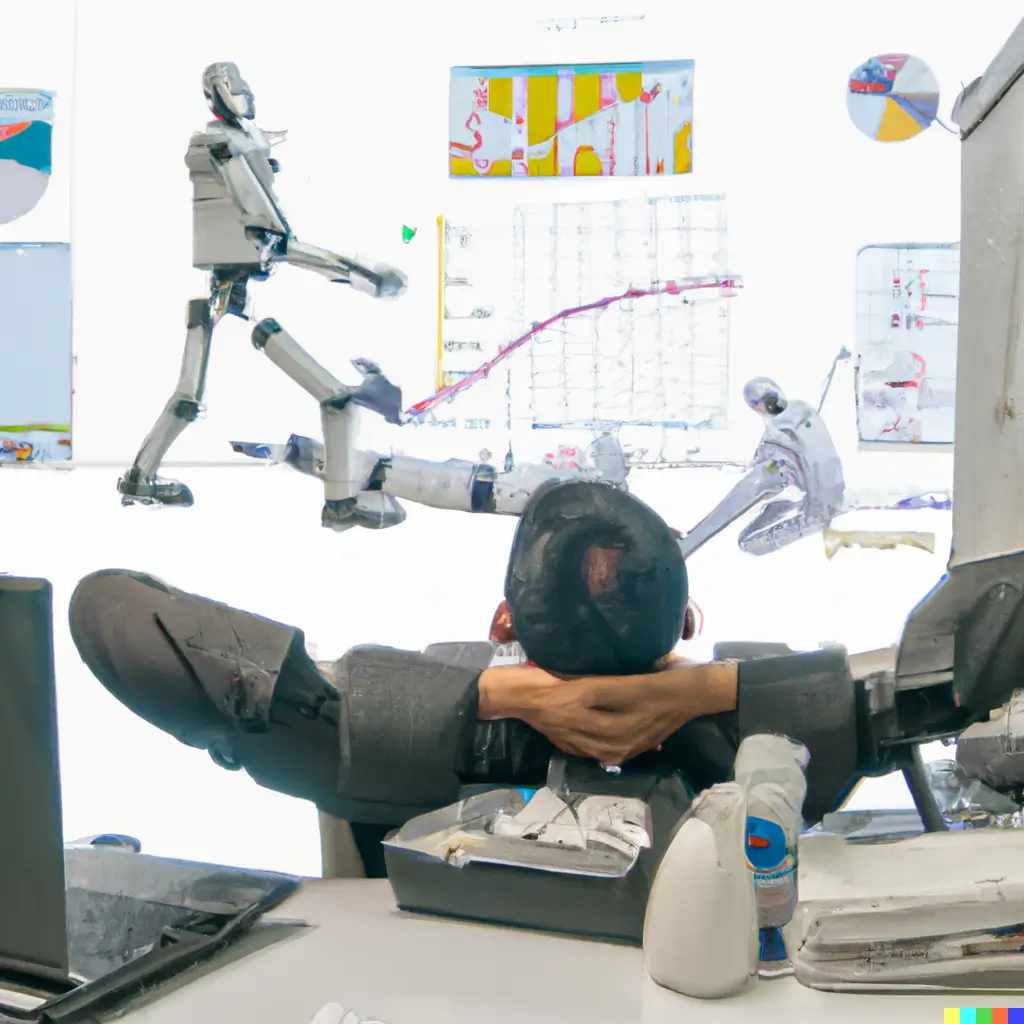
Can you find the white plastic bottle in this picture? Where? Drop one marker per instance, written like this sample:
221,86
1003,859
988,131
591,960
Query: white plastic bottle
700,934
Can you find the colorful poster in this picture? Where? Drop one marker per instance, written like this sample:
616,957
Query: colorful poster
629,120
35,352
26,132
908,297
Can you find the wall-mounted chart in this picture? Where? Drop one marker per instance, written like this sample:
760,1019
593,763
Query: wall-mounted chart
26,134
587,316
892,97
907,302
35,352
630,120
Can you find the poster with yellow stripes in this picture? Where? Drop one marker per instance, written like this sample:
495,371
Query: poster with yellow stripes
631,120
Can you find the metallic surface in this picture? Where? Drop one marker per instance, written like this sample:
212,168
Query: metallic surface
32,904
240,234
796,450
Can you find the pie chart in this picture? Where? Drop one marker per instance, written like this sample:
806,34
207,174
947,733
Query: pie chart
892,97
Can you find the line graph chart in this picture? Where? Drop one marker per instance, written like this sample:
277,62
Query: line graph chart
585,318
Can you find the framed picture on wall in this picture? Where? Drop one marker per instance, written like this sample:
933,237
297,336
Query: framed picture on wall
908,296
35,352
586,120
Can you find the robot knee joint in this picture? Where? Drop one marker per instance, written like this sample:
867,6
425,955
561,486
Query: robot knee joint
198,314
337,402
481,495
187,409
263,330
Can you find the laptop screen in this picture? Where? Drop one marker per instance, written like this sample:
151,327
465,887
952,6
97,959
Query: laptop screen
33,929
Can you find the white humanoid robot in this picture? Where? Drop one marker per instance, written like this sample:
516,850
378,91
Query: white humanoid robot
796,450
456,485
239,235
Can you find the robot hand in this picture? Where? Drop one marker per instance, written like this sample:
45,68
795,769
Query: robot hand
376,279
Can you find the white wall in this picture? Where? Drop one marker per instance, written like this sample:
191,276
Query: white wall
363,91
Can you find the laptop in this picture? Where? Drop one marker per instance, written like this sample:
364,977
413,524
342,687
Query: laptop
33,921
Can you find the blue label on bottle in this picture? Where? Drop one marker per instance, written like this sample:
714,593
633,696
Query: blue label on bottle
766,847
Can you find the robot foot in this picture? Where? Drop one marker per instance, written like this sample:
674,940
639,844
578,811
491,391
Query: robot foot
137,490
372,511
340,515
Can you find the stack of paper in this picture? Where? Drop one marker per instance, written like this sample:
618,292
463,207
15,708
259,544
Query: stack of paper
598,836
939,910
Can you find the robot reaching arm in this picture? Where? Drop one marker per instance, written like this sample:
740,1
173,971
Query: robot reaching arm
796,450
233,149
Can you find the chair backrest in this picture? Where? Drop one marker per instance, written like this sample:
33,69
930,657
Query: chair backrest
33,925
745,650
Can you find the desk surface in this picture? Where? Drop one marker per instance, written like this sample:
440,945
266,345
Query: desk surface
400,968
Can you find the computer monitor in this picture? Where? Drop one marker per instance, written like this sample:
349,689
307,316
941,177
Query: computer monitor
33,925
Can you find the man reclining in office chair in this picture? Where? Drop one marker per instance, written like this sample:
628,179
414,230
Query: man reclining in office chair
597,591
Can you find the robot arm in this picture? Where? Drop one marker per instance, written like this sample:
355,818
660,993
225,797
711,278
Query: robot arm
795,450
375,279
263,214
767,478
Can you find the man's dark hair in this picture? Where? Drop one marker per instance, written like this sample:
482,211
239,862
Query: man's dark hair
596,583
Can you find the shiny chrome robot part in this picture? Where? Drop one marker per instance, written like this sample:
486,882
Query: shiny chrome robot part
240,234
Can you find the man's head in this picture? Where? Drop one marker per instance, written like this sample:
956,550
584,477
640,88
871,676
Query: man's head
596,583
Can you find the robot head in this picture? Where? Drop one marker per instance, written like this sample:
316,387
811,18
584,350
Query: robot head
228,94
764,396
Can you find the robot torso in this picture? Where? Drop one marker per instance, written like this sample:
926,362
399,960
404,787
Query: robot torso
798,438
225,206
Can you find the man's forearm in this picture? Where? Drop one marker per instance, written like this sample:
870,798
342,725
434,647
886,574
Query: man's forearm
505,691
707,689
693,690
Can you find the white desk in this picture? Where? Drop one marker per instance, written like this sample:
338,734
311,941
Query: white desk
404,969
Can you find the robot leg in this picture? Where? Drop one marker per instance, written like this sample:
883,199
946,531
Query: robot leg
763,481
782,523
454,485
350,495
140,484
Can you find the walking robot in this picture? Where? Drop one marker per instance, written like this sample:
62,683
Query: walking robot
240,234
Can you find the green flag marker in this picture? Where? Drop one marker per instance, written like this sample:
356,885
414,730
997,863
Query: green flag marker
408,234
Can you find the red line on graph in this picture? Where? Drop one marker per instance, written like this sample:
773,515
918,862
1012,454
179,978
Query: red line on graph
481,372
